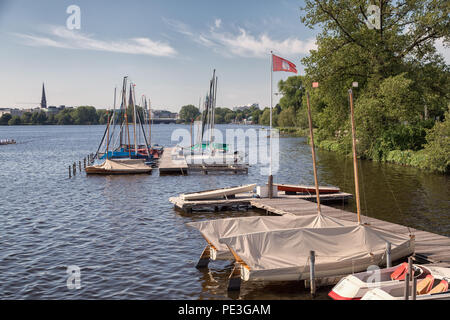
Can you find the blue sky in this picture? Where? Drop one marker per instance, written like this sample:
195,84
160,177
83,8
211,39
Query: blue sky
168,48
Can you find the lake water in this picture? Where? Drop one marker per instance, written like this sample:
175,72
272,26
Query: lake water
127,239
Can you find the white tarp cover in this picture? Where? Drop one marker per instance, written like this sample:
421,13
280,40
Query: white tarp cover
213,230
284,254
124,165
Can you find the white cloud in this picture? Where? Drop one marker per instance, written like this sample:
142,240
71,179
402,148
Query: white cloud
246,45
442,49
243,43
61,37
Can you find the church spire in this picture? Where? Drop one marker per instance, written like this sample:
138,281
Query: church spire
43,99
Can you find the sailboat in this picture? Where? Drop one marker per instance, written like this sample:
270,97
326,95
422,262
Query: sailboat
283,255
119,156
206,149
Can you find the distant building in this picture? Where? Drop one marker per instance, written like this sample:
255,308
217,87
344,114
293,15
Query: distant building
11,111
242,108
164,114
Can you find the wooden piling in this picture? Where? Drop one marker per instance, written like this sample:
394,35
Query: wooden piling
234,281
406,297
414,289
388,255
74,167
204,258
79,165
312,276
84,163
70,175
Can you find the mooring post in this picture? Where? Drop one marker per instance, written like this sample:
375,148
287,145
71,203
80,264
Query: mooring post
388,255
204,258
407,287
312,276
414,289
234,281
410,272
70,175
79,165
84,163
74,167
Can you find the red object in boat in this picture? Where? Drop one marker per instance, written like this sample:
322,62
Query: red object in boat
306,189
400,272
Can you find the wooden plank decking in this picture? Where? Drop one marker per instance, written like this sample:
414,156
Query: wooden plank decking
433,247
172,163
243,200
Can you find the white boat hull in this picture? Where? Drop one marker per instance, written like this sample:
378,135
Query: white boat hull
219,193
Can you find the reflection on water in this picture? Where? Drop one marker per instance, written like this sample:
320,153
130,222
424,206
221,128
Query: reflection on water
129,241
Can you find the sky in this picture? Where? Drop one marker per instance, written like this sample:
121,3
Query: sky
168,48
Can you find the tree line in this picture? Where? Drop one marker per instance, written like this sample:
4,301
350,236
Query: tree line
83,115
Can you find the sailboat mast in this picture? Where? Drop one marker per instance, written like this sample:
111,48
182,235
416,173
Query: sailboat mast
355,163
313,151
107,137
134,115
149,110
123,108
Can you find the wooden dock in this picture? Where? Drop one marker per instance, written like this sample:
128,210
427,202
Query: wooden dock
430,248
172,163
245,201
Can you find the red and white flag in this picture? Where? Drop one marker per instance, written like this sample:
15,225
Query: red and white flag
280,64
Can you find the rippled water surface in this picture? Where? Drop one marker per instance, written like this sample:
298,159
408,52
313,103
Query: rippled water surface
129,241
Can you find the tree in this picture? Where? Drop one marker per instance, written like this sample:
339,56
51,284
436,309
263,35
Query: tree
286,118
293,91
26,118
402,79
437,149
4,119
14,121
85,115
65,117
189,112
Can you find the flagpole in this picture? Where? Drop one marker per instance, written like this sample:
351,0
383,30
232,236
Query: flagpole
270,182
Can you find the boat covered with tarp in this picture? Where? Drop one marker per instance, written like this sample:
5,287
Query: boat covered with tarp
120,166
283,255
214,230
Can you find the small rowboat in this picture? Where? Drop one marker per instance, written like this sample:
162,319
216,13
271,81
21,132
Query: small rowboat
120,166
289,188
355,286
217,193
435,286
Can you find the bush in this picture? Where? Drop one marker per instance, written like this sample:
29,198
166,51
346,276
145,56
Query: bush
437,149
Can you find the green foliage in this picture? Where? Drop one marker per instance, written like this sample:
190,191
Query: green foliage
437,149
286,118
265,117
26,118
14,121
4,119
293,91
85,115
189,113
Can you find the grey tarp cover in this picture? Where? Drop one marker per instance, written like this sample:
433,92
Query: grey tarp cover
213,230
284,254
